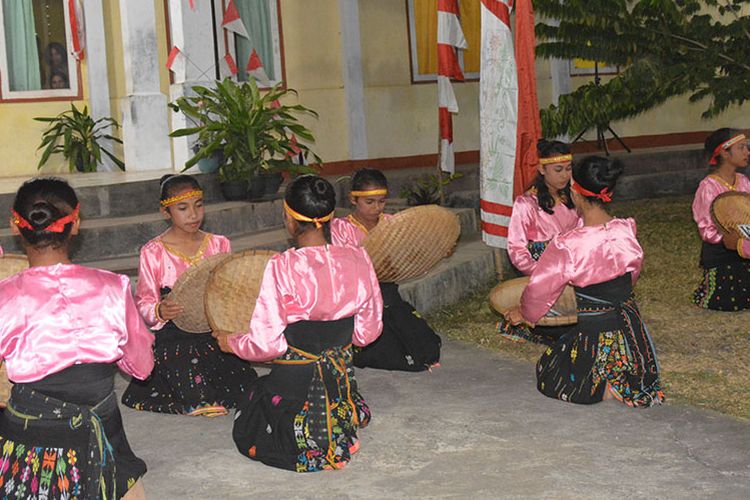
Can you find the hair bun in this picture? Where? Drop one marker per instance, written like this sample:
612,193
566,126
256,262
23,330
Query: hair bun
320,186
612,172
42,214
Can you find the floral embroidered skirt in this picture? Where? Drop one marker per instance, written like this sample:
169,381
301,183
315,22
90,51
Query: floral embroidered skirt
68,449
190,372
724,288
305,414
609,344
407,342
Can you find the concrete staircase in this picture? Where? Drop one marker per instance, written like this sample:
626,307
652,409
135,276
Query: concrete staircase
118,219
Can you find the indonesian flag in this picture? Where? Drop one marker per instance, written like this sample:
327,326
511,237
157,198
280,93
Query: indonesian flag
230,66
176,63
255,69
77,31
450,37
508,114
232,20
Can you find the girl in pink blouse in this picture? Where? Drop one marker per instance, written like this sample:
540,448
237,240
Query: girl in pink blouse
64,330
315,302
192,376
540,214
609,352
407,343
726,270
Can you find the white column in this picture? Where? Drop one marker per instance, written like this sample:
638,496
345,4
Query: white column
351,47
560,70
145,131
96,66
191,31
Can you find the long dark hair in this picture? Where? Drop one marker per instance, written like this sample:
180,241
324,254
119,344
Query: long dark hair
548,149
41,202
311,196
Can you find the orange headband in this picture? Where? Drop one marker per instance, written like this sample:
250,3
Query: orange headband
318,221
605,194
555,159
195,193
57,226
371,192
724,146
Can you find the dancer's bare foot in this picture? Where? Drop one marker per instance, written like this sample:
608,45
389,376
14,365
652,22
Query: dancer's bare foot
608,396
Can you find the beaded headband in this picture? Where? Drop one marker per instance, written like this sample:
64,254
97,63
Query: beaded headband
195,193
724,146
370,192
555,159
605,194
303,218
57,226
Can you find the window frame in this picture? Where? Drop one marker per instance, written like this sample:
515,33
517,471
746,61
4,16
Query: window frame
417,77
73,93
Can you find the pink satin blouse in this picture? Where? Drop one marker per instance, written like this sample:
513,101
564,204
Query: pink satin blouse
160,266
709,188
320,283
52,317
345,231
584,256
529,222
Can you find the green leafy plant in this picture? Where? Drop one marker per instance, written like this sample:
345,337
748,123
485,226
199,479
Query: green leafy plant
666,48
427,190
253,129
76,136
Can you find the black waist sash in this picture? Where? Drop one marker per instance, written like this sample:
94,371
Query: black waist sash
81,396
716,254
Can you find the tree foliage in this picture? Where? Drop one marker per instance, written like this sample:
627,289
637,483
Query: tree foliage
664,48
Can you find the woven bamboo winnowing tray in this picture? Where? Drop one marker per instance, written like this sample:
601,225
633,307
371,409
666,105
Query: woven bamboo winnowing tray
411,243
5,385
233,288
731,209
12,264
189,292
507,295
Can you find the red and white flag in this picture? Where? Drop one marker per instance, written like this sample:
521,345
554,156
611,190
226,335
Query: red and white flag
230,66
177,64
77,28
450,38
295,148
508,114
232,20
256,70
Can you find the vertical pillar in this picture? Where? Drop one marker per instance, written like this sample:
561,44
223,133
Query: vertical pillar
191,31
145,131
96,66
351,47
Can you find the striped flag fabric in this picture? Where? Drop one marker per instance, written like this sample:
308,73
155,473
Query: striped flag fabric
230,65
232,20
256,70
508,114
177,64
450,38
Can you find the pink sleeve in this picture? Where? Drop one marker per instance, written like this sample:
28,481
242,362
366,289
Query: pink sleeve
518,240
368,323
547,282
1,251
137,354
225,246
340,233
745,254
265,339
704,196
148,290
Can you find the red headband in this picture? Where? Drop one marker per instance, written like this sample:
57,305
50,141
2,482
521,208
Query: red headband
57,226
605,194
724,146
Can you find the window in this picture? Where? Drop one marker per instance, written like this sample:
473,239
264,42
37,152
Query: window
262,20
422,16
34,58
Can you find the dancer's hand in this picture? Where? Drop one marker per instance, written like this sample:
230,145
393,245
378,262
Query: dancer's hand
514,316
167,310
222,338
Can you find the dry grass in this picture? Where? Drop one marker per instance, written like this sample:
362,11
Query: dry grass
704,355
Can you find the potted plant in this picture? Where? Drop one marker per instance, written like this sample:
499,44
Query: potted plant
80,135
255,132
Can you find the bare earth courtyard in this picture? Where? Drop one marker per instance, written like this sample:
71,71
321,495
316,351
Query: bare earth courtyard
474,428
